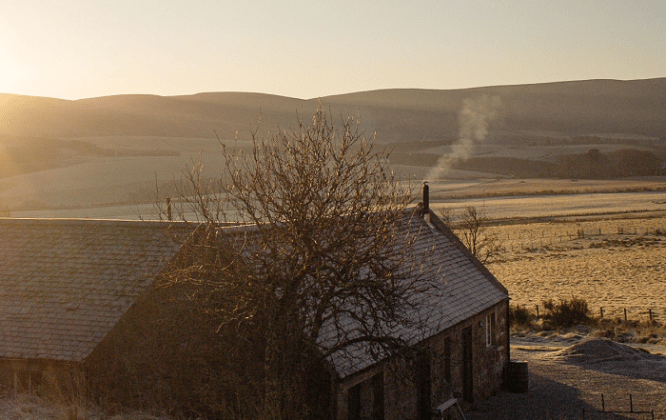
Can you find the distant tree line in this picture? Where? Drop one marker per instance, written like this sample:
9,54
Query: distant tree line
590,165
620,163
589,140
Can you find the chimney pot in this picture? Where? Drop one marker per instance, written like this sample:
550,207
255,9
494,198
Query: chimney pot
426,198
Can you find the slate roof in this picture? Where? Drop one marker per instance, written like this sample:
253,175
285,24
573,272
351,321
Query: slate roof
65,283
462,288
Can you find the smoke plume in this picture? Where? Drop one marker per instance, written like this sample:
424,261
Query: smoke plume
473,119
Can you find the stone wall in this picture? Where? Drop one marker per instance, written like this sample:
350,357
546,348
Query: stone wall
440,359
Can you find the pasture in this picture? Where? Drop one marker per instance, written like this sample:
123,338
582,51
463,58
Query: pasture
591,239
614,263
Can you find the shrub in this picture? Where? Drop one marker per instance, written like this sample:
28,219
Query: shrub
548,305
566,313
519,315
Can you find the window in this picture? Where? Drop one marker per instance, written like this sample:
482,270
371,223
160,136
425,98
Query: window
354,402
366,400
490,329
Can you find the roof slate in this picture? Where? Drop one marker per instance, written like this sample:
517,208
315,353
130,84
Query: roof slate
65,283
463,287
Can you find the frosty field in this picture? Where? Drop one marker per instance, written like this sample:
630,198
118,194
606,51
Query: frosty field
615,263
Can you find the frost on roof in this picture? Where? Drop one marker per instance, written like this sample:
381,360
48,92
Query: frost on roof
65,283
459,288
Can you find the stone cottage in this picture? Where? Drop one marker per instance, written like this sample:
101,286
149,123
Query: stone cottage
77,301
462,350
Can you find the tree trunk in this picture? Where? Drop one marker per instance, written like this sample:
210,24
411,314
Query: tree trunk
272,409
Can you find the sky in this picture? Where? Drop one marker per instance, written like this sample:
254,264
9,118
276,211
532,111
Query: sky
74,49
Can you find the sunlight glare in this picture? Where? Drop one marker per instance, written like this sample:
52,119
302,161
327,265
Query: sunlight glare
11,73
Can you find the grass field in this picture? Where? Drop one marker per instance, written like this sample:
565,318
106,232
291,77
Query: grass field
615,264
606,246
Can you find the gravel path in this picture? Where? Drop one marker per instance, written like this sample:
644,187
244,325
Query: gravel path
561,388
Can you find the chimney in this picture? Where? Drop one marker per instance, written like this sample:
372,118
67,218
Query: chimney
426,200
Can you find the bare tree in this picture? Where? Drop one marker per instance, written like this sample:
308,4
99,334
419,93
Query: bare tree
319,258
471,227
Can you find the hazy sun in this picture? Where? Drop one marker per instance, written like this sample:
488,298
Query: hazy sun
11,73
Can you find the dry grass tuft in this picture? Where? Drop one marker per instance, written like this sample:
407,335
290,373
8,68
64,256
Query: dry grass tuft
27,407
572,326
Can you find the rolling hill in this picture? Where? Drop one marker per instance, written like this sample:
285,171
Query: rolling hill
629,108
62,154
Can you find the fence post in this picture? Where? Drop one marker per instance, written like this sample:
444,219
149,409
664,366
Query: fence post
603,404
650,312
537,309
601,309
625,314
631,404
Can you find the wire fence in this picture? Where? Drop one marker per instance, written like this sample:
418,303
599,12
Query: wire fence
597,237
531,240
614,313
609,407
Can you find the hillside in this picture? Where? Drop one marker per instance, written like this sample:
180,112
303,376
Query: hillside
61,154
567,108
630,108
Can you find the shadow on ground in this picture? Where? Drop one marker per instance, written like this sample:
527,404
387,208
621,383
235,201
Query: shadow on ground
546,400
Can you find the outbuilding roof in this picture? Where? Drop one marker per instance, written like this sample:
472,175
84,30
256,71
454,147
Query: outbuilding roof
65,283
